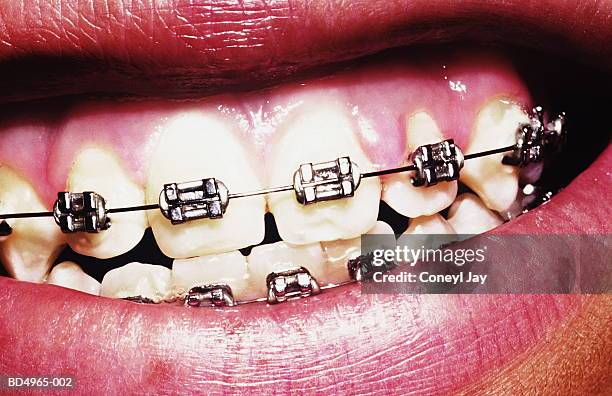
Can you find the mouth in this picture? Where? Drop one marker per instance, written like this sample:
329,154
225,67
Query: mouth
247,100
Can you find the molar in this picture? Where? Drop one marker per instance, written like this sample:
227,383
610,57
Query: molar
281,256
138,280
227,268
320,132
70,275
28,253
197,145
468,215
398,190
97,170
496,125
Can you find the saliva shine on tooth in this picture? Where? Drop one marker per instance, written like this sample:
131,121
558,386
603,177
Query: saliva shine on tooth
198,199
213,295
288,284
81,212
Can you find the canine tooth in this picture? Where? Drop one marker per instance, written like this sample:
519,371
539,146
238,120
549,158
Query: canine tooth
496,184
97,170
28,253
194,146
468,215
398,190
338,253
71,276
320,133
138,280
281,256
228,268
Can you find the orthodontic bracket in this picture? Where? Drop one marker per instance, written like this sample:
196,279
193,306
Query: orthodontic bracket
198,199
313,182
536,138
212,295
436,162
295,283
81,212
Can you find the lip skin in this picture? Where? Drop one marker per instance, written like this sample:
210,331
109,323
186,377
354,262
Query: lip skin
341,340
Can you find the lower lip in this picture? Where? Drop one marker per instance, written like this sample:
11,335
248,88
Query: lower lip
340,339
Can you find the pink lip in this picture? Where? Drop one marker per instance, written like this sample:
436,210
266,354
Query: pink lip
341,340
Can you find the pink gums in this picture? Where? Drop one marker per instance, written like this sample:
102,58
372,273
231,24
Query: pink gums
452,87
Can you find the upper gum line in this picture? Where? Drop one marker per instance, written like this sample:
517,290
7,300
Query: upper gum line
133,136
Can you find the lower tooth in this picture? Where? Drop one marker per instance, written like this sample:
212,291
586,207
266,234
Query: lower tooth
227,268
281,256
28,253
338,253
148,281
99,171
434,224
398,190
71,276
469,216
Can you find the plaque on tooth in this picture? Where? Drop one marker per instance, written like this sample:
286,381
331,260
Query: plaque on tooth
198,199
325,181
436,162
81,212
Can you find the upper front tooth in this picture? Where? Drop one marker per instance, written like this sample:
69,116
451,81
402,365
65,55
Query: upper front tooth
195,146
281,256
496,125
28,253
98,170
320,133
71,276
399,192
138,280
468,215
226,268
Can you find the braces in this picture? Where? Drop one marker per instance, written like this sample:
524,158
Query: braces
312,183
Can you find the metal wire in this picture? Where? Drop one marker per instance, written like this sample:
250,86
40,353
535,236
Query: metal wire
271,190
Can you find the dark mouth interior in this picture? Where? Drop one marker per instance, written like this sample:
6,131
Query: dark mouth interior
558,84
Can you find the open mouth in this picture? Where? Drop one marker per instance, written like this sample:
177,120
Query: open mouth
126,118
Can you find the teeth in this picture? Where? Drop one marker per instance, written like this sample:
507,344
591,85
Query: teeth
496,184
97,170
28,253
196,146
71,276
338,253
434,224
399,192
138,280
469,216
320,133
281,256
228,268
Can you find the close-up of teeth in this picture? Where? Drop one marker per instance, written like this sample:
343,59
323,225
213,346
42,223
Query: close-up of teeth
295,198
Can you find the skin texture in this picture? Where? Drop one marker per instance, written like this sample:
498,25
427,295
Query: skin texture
185,48
194,48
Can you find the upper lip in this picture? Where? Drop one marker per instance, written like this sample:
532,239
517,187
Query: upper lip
192,48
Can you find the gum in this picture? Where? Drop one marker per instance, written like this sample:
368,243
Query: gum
452,86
